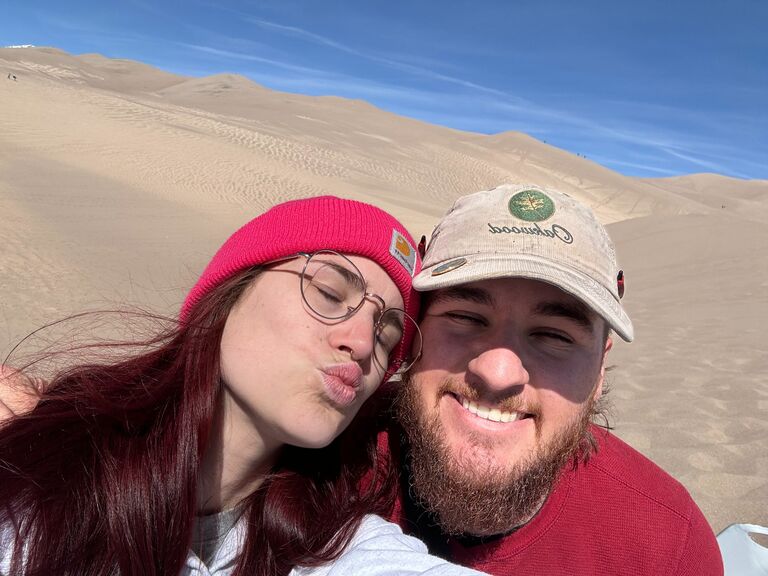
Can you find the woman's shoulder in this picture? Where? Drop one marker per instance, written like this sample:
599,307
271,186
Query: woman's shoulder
18,394
375,529
379,548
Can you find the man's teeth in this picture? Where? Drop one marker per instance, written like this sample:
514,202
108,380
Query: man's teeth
486,413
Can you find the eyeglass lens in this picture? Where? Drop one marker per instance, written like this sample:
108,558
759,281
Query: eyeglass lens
389,331
331,285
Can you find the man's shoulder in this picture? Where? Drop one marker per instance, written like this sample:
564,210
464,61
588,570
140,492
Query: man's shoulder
617,514
627,471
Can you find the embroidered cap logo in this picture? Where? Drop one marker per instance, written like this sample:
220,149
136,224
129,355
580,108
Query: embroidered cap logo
531,206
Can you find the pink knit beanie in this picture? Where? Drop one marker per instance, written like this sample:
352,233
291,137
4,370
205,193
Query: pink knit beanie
312,224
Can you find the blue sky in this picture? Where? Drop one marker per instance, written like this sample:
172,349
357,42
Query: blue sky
646,88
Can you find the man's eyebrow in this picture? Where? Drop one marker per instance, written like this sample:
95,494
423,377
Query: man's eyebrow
575,311
467,293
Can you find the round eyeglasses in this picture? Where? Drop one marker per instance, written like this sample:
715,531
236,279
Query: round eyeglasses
333,288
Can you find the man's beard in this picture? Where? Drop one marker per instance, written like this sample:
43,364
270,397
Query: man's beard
468,499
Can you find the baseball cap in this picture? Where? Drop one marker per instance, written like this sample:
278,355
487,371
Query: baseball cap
526,231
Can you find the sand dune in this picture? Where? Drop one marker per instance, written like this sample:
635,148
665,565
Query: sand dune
692,390
118,181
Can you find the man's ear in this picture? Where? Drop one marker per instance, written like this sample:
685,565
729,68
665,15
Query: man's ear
599,388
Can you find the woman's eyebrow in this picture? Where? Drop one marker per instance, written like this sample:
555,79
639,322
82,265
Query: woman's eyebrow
348,275
575,311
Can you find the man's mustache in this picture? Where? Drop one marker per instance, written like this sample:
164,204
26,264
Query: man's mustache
505,403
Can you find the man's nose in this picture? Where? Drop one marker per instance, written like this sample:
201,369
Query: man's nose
498,369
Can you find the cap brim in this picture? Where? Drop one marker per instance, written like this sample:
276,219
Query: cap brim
489,266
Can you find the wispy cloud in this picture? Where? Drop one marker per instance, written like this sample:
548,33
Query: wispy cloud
317,80
707,164
417,71
304,34
617,164
249,57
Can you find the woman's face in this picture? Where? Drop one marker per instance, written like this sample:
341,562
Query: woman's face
290,375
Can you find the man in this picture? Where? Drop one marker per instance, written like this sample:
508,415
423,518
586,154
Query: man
505,471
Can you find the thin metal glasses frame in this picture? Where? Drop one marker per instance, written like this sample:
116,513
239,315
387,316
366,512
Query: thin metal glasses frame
402,365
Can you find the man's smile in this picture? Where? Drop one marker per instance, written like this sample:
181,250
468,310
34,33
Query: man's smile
465,415
491,413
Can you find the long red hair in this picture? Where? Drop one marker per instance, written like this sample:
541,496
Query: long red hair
101,476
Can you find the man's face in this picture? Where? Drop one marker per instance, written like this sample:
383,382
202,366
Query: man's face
500,400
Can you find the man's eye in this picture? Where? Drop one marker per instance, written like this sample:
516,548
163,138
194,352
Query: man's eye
558,337
465,318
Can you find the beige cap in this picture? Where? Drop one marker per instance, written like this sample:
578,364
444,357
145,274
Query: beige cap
527,231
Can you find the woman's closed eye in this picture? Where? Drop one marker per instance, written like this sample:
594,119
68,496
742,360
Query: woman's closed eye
389,330
387,339
329,293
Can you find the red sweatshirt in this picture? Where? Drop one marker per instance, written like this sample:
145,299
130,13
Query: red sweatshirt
618,514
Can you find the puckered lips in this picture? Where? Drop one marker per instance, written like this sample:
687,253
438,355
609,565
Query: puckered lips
342,382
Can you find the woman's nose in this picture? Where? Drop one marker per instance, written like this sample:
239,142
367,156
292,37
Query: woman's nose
355,335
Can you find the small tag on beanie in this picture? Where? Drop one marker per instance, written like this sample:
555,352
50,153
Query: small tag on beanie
403,252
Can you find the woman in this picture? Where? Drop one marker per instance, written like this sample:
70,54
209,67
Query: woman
220,449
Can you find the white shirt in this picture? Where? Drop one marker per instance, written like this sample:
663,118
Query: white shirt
378,548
